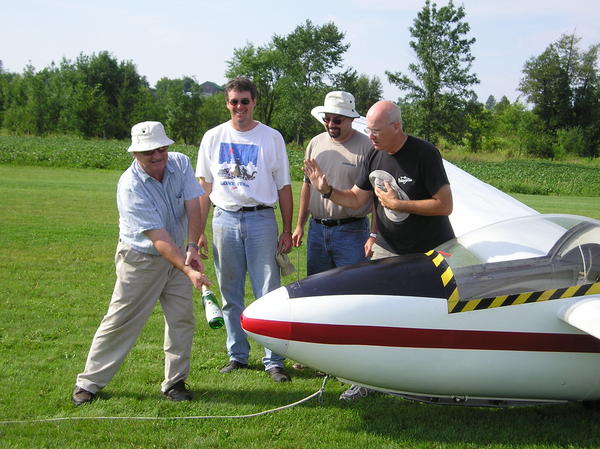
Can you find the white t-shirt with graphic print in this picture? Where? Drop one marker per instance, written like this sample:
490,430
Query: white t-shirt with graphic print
245,168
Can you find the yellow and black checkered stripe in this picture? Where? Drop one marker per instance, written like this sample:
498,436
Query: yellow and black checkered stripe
446,275
456,304
523,298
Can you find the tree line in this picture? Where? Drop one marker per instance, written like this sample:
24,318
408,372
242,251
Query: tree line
99,96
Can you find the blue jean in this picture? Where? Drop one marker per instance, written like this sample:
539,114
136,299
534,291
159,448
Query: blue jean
244,242
335,246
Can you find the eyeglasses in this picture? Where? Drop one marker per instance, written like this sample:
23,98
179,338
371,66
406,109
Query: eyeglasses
336,121
235,101
375,132
372,131
160,150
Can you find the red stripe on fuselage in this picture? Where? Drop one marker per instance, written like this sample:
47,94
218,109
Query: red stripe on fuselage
403,337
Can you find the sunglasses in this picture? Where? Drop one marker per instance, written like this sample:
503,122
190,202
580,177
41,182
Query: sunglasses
335,121
235,101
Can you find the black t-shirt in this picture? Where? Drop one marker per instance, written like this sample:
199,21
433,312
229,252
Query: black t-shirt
418,171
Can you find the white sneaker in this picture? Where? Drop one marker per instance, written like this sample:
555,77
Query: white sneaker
355,392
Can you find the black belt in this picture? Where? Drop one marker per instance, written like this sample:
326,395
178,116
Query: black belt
334,222
253,208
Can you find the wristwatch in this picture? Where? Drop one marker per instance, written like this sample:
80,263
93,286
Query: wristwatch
191,245
328,194
373,235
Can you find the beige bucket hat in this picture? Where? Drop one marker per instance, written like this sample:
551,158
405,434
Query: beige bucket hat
337,102
147,136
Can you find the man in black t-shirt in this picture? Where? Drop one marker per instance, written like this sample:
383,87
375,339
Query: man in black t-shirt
412,194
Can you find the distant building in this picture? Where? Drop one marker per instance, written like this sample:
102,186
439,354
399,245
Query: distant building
209,88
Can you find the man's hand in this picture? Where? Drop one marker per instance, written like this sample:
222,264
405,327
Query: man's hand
368,247
388,198
192,258
285,242
196,276
313,172
190,265
194,271
203,247
297,236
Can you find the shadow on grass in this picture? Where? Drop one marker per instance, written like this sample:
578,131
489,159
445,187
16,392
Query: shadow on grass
251,389
404,422
568,425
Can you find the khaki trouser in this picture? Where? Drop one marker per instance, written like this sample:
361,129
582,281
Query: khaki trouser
142,279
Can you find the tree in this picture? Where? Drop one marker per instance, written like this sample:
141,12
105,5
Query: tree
563,85
119,84
292,74
264,66
366,90
480,124
212,113
180,100
440,91
490,103
547,83
86,112
33,101
310,54
502,104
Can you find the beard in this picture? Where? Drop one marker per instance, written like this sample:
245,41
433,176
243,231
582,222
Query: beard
334,132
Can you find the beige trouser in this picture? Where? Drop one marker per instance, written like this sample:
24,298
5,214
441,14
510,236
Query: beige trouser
142,279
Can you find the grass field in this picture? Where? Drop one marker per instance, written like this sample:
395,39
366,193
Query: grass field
58,229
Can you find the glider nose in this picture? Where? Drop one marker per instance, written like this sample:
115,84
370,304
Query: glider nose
268,320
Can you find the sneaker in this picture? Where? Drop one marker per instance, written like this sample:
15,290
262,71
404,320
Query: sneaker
232,366
278,374
179,392
81,396
355,392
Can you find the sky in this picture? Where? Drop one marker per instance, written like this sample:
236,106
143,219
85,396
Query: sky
177,38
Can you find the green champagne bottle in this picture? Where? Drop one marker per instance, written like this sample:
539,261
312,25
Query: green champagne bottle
213,313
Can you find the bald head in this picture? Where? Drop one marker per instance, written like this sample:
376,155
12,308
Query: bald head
386,111
384,123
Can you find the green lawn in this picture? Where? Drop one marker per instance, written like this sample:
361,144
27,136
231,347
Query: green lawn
58,230
577,205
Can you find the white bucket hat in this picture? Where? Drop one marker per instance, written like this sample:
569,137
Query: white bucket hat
147,136
337,102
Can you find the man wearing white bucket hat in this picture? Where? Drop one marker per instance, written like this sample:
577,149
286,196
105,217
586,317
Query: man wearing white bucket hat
336,235
157,259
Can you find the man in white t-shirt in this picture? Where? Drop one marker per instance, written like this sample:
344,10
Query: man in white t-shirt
243,166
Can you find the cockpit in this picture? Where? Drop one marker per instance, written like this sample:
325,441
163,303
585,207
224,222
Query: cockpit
529,254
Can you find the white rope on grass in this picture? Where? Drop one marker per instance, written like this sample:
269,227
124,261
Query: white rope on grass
167,418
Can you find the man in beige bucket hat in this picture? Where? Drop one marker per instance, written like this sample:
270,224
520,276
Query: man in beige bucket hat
157,259
336,235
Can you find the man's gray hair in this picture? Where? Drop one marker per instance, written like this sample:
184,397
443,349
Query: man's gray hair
395,115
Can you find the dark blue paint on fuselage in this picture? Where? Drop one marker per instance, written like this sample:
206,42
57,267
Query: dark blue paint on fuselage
405,275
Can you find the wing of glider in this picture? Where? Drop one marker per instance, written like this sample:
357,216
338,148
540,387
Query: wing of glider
583,315
476,203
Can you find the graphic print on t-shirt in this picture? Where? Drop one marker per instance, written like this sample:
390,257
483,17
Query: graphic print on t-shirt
238,160
378,178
